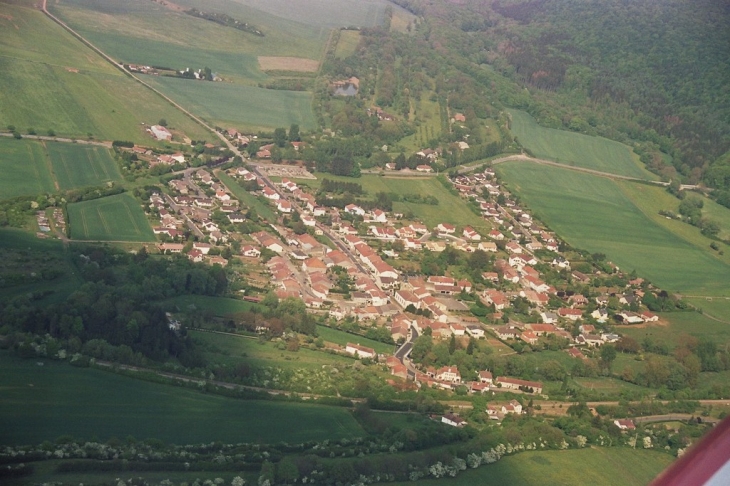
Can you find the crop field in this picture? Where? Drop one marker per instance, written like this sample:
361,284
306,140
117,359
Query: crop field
113,218
450,208
25,169
599,466
81,165
240,106
44,402
342,338
51,81
269,63
573,148
594,214
147,33
226,349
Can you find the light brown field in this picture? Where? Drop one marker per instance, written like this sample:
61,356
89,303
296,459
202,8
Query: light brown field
269,63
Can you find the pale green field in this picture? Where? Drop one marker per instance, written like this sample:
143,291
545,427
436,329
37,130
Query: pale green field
450,209
81,165
113,218
576,149
594,214
347,44
717,307
25,169
595,466
51,81
718,213
241,106
342,338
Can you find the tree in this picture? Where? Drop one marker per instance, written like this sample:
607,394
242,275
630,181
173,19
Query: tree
452,344
294,133
470,347
162,122
608,355
280,137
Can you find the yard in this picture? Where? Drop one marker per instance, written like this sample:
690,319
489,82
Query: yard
113,218
593,213
573,148
337,336
58,399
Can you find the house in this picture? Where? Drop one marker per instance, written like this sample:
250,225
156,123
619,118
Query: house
475,331
517,384
453,420
529,337
470,234
459,117
359,351
283,206
171,247
161,133
649,317
406,298
575,353
486,377
250,251
269,193
496,235
496,298
195,256
424,168
488,246
571,314
448,373
354,209
202,247
446,228
624,424
504,332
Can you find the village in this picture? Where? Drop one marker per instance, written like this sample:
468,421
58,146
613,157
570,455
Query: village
342,263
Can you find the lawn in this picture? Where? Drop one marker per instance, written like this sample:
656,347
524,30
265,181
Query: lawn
451,208
241,106
52,81
113,218
262,209
342,338
576,149
219,306
231,350
81,165
44,402
594,214
25,169
596,466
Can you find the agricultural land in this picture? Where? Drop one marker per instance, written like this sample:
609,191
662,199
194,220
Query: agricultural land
113,218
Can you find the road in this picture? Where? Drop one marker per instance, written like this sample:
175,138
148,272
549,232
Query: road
189,222
402,353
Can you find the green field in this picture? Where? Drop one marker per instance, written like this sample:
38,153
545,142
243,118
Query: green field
349,39
44,402
241,106
342,338
596,466
717,307
82,165
679,323
51,81
25,169
231,350
720,214
451,209
113,218
219,306
572,148
262,209
594,214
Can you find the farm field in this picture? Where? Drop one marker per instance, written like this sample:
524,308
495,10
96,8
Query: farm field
599,466
573,148
342,338
226,349
679,323
240,106
81,165
113,218
717,307
349,39
25,169
720,214
450,208
594,214
58,399
652,199
53,82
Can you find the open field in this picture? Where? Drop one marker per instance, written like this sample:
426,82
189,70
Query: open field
44,402
240,106
269,63
81,165
450,208
25,169
679,323
652,199
429,114
717,307
596,466
593,213
113,218
720,214
262,208
349,39
52,81
219,306
226,349
342,338
576,149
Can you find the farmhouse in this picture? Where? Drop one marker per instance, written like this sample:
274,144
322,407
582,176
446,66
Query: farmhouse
517,384
359,351
453,420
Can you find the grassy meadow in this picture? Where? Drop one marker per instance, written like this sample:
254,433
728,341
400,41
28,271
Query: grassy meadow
44,402
599,466
262,209
81,165
346,46
113,218
241,106
51,81
674,325
25,169
342,338
576,149
219,306
593,213
450,208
